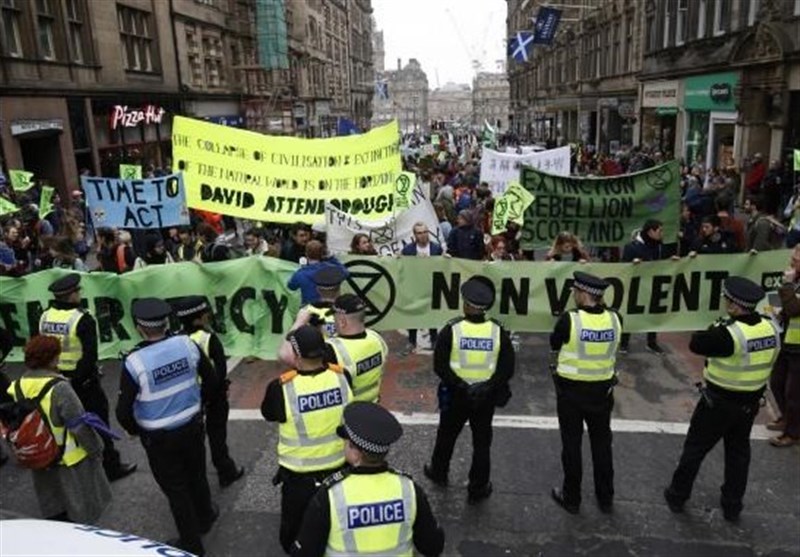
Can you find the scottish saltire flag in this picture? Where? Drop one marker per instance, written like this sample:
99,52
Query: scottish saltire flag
545,25
382,89
519,46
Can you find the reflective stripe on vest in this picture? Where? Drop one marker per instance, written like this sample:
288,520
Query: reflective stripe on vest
755,348
314,406
474,350
590,353
31,386
328,329
169,391
364,359
63,324
372,514
793,326
203,340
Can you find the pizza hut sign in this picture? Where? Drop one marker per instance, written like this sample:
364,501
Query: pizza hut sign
125,117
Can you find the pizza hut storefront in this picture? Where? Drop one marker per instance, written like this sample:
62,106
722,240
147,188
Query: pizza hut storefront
133,131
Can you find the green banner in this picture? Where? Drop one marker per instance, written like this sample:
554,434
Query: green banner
600,211
46,201
7,207
253,308
130,172
21,180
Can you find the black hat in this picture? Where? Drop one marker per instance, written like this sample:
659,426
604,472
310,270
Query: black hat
589,283
65,285
307,342
190,306
349,303
478,293
328,277
151,313
370,427
743,292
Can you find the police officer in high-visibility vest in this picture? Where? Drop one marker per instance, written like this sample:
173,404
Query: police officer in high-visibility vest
195,316
164,382
361,351
368,508
586,340
328,281
474,359
66,320
785,381
739,352
308,403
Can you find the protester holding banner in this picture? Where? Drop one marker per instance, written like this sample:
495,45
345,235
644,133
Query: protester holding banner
189,248
421,247
465,240
362,245
254,243
712,239
567,247
156,254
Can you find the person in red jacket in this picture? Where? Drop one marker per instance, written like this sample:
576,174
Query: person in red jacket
756,174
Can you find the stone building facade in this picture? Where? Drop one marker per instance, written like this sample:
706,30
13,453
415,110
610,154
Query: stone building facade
451,104
408,98
490,100
362,73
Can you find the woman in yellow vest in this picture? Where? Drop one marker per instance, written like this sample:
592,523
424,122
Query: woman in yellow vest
75,488
739,352
368,508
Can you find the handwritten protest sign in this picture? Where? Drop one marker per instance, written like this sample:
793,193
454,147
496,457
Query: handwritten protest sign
148,203
601,211
286,179
404,186
511,206
130,172
21,180
46,201
498,169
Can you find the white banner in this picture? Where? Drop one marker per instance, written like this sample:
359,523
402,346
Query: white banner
498,169
388,235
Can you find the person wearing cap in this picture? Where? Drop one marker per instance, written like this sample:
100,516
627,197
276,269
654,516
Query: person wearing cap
328,281
195,315
164,382
740,352
76,329
361,351
368,508
585,340
474,359
308,403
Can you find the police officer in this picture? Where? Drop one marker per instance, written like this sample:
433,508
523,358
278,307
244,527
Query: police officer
368,508
739,352
474,359
195,317
161,400
308,403
361,351
77,331
586,339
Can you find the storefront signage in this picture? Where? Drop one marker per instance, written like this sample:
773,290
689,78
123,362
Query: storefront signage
232,121
21,127
660,93
713,92
123,116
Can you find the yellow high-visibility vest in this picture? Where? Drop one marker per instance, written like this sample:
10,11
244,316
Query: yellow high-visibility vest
364,359
755,349
63,324
474,350
591,352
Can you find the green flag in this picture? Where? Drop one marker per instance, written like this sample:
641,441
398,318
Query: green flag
404,185
21,180
6,207
489,138
46,201
797,160
130,172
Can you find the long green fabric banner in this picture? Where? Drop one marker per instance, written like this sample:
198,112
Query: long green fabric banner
254,309
600,211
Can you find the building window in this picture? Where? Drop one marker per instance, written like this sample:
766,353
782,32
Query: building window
796,7
702,10
667,20
616,65
722,16
213,61
752,7
629,56
45,18
652,35
206,2
136,31
11,15
195,60
75,29
681,22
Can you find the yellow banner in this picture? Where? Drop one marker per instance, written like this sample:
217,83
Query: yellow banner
285,179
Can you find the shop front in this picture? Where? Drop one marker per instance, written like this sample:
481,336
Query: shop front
712,137
659,116
616,117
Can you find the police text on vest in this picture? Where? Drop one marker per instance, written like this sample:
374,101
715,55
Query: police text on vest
589,335
472,343
763,343
171,371
375,514
319,401
368,364
50,328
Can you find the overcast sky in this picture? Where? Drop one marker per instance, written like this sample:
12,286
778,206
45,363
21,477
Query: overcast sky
435,33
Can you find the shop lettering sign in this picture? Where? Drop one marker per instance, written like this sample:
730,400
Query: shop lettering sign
123,116
720,92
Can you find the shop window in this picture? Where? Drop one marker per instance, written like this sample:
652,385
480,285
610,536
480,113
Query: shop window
681,22
697,137
45,18
11,17
138,39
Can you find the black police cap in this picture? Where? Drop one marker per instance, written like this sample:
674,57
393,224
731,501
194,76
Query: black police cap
349,303
307,342
190,306
65,285
328,277
478,293
589,283
743,292
151,313
370,427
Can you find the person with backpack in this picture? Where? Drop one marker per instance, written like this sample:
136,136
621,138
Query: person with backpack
71,486
764,233
76,331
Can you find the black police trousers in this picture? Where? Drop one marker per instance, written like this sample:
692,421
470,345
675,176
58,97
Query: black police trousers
91,394
297,490
178,460
451,421
727,420
575,405
217,430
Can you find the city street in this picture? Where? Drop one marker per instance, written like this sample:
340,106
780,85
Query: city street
654,401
